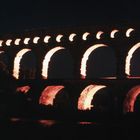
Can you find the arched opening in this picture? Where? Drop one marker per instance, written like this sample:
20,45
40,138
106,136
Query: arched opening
54,96
130,99
24,67
61,66
132,67
98,61
58,65
28,66
87,95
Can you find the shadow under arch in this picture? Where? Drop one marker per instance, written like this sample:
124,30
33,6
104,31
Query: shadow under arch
100,63
19,61
132,63
58,64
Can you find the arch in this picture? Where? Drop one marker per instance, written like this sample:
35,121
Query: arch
28,66
102,64
85,35
4,59
112,34
85,58
71,37
129,57
129,101
98,35
17,60
61,65
87,95
48,95
45,64
128,32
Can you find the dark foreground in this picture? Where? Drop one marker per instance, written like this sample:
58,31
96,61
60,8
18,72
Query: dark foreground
126,127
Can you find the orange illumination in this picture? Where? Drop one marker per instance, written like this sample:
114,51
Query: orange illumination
23,89
47,122
48,95
58,38
26,41
128,32
85,123
17,60
45,64
85,35
46,39
71,37
1,41
8,42
130,99
98,35
85,58
35,40
112,34
15,119
17,41
87,95
128,58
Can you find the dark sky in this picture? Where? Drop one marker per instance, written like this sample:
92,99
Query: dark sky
20,15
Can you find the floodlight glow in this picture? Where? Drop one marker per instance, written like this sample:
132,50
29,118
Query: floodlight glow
47,59
46,39
85,35
85,59
87,95
112,34
8,42
129,57
71,37
58,38
35,40
17,41
98,35
26,41
1,41
128,32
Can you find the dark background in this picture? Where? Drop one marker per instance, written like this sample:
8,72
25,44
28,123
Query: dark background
16,16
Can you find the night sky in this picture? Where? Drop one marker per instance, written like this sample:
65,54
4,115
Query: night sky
16,16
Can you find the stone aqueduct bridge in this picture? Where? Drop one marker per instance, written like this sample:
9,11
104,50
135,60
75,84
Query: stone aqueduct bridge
73,53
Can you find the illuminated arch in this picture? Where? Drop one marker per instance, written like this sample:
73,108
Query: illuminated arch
130,99
71,37
46,39
45,64
8,42
1,41
17,60
48,95
36,39
58,38
129,57
85,99
85,58
128,32
98,35
17,41
85,35
112,34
